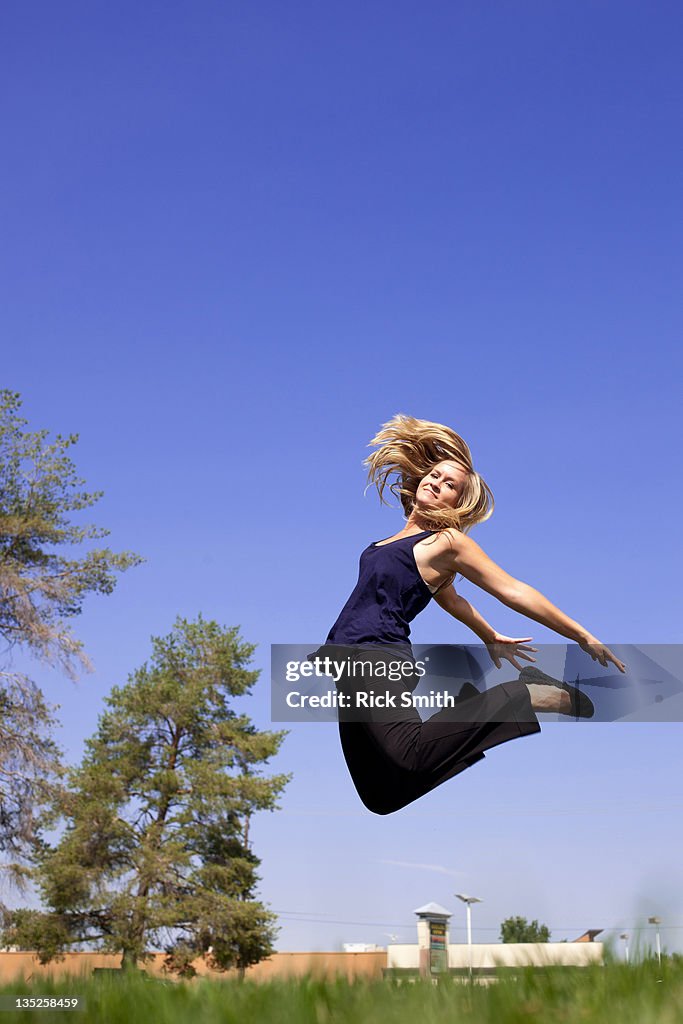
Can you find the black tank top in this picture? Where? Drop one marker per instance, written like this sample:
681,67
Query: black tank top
389,594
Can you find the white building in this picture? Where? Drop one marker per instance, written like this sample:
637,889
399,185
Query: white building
434,952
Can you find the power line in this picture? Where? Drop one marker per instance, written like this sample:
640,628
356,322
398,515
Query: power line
288,916
535,812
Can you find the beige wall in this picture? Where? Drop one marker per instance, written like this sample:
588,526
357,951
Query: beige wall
349,965
280,965
517,954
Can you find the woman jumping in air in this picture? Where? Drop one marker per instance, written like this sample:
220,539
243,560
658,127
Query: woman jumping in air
393,756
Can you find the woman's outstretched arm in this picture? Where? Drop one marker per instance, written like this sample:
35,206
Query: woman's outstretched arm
508,648
464,612
473,563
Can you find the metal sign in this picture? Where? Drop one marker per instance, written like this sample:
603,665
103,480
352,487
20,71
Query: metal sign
438,951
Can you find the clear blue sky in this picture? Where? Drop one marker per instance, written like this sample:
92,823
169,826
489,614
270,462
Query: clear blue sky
238,238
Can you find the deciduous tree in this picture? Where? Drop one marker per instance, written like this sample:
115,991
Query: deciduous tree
518,929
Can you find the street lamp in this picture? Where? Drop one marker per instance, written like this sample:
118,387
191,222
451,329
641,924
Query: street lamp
469,900
624,936
656,921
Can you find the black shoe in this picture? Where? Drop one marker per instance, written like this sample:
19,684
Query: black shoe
581,704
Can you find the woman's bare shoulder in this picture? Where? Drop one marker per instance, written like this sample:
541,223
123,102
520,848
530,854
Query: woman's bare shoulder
450,538
444,546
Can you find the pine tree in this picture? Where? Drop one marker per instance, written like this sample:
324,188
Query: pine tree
157,817
30,766
41,588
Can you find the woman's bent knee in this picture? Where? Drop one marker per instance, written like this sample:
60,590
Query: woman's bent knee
382,807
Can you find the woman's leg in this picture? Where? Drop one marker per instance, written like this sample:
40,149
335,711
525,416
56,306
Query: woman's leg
394,757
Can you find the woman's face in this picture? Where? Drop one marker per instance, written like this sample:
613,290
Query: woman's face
442,487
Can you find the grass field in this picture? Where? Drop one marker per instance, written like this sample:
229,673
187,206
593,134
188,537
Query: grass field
640,994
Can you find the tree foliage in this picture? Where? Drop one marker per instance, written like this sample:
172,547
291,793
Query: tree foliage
156,847
43,583
518,929
30,765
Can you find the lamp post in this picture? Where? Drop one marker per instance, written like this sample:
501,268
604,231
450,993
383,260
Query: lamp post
624,936
656,921
469,900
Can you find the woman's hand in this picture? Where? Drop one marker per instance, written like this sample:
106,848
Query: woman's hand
510,648
598,652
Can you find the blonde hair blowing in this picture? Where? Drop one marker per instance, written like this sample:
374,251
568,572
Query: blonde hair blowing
408,449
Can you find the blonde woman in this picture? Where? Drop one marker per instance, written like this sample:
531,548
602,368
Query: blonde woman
393,756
